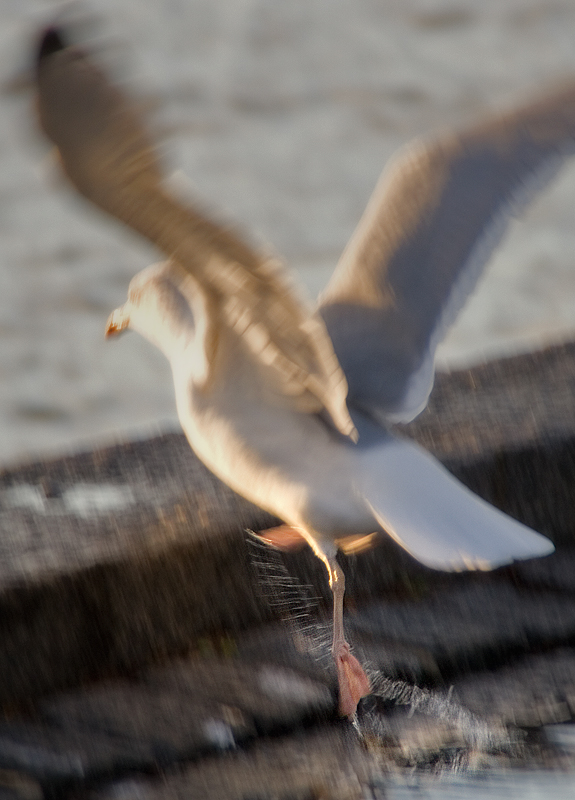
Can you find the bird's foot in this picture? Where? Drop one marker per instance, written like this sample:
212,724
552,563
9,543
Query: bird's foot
284,538
353,682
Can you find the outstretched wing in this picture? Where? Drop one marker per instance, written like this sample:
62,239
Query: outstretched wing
106,153
437,214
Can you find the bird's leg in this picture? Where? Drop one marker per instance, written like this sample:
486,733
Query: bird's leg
352,680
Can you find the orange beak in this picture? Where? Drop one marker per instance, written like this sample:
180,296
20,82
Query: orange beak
117,322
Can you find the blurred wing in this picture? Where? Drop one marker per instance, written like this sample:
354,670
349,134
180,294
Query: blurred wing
106,153
437,214
435,517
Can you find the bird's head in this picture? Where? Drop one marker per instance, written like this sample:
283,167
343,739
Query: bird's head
155,308
118,321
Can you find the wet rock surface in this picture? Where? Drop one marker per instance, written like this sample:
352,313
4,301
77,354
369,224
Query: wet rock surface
143,655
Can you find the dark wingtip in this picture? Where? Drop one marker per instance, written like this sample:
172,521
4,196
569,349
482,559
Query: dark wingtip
52,41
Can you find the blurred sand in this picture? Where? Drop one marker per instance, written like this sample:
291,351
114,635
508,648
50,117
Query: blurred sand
282,114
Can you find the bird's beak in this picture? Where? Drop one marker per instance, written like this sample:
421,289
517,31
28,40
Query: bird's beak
117,322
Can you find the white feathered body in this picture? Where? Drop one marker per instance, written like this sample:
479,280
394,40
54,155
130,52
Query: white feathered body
296,464
285,461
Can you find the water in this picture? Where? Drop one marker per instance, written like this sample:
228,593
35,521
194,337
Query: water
282,115
505,785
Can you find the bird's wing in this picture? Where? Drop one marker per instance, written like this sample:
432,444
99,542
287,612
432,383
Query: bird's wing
434,516
437,214
107,154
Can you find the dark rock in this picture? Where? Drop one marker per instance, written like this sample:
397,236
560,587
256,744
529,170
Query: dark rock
531,692
162,724
326,764
479,626
556,573
16,786
112,559
271,697
57,757
190,707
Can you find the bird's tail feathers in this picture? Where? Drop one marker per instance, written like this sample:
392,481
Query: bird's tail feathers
434,517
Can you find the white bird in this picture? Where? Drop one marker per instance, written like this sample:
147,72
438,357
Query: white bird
292,406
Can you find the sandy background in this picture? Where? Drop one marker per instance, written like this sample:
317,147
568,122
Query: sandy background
282,114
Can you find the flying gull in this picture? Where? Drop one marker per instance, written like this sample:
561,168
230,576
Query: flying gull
292,406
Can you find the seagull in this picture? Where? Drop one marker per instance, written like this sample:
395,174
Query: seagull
292,406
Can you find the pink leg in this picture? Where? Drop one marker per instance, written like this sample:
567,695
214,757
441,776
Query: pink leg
352,680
